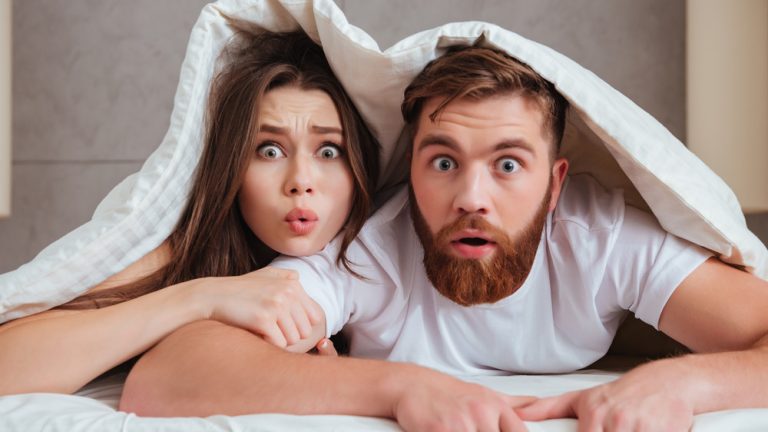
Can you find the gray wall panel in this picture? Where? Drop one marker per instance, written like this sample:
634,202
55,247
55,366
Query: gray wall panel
93,87
636,46
95,80
51,199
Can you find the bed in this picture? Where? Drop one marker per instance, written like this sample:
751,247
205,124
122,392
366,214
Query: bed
94,409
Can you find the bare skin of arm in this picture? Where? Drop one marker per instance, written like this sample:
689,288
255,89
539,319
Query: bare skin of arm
718,312
208,368
86,343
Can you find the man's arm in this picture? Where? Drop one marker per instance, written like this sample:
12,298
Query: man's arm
209,368
717,311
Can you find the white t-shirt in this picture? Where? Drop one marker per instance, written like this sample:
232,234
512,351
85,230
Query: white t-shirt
597,259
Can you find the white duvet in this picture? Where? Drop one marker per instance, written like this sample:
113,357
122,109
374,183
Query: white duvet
93,409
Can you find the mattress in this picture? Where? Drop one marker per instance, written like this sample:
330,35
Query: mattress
94,408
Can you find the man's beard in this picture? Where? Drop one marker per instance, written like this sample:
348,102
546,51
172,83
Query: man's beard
474,281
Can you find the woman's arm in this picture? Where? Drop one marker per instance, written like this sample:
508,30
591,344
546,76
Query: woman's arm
62,350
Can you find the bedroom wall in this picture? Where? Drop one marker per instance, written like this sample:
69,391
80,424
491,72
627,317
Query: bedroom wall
93,87
93,83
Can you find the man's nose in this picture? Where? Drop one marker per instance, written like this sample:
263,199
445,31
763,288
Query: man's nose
472,193
300,178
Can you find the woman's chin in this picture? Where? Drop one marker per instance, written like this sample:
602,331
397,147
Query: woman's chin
299,247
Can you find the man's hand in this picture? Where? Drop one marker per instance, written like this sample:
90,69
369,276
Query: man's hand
446,404
645,399
443,403
325,347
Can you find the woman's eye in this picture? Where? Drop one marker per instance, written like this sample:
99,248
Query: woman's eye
269,151
329,151
507,165
443,163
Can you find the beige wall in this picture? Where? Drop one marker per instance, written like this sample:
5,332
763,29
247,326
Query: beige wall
727,97
94,83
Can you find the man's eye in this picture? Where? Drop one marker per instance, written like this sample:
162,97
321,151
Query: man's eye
270,151
507,165
443,163
329,151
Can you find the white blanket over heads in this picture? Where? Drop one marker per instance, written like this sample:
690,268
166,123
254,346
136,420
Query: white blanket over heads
607,135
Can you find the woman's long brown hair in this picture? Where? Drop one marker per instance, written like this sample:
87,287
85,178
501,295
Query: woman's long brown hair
211,238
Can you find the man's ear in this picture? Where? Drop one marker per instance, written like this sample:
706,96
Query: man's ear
559,171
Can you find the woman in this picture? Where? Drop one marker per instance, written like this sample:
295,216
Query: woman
286,154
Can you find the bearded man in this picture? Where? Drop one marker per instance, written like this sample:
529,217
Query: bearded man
492,261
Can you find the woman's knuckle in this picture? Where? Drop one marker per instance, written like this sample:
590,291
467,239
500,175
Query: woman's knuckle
260,322
275,301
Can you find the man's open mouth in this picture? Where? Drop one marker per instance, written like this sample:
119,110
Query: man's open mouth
473,241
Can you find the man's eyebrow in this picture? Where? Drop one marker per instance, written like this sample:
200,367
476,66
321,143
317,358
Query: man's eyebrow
284,131
515,143
447,141
437,140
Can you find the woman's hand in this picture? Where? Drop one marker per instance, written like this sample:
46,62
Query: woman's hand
269,302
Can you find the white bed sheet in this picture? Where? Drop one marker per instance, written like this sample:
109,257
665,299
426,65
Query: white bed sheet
94,409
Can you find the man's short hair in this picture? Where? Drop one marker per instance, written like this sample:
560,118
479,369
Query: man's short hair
477,73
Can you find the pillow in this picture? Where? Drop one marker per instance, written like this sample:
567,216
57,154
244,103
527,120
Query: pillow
607,136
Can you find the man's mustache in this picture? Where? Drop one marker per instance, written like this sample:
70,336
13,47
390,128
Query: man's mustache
472,221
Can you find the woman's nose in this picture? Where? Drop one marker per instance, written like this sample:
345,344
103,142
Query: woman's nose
299,180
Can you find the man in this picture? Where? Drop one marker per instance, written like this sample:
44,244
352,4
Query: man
517,268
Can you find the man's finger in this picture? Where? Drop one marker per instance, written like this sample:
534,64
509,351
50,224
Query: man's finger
325,347
510,422
593,424
520,401
549,408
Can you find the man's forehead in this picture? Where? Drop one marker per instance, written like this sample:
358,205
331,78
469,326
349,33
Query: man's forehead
486,125
507,109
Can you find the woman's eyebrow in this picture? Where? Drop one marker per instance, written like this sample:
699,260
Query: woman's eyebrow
272,129
315,129
326,130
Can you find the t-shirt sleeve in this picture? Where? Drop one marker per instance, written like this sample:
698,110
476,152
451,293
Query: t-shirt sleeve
647,264
324,282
